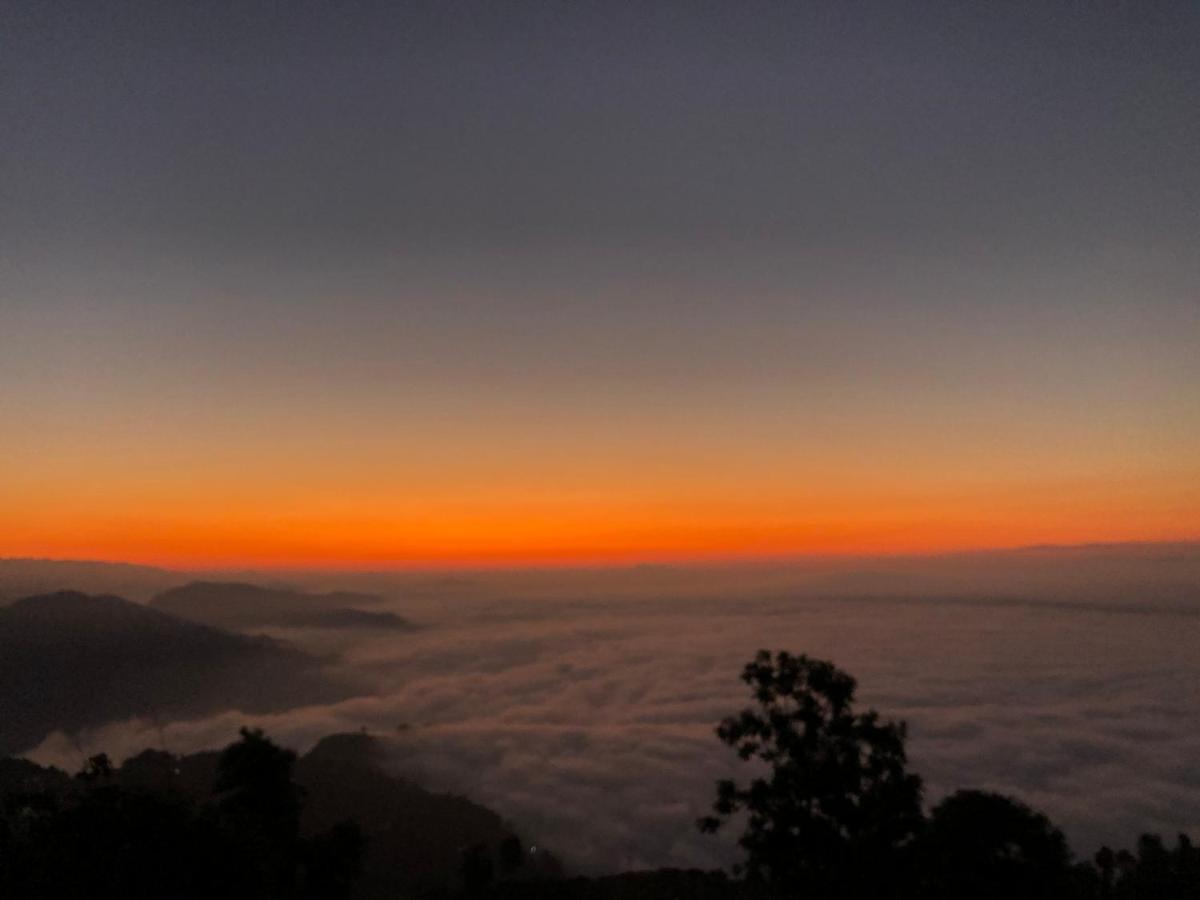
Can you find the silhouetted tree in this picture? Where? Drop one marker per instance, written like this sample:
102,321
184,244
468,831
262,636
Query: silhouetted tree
477,869
331,862
99,840
103,835
511,853
1106,862
1187,867
991,847
1153,872
98,768
259,804
836,809
254,783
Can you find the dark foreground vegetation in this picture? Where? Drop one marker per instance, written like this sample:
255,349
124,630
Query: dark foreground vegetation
830,811
833,812
251,821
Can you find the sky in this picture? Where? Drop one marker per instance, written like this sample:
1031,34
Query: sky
376,284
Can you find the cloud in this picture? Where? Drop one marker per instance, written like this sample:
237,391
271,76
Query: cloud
590,725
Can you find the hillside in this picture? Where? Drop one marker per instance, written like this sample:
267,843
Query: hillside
240,606
415,839
71,660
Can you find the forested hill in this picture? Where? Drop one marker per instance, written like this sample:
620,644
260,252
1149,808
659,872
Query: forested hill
71,660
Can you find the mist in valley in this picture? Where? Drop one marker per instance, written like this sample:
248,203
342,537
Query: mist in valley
581,703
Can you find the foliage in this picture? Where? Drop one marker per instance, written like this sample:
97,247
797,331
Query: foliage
832,812
835,809
991,847
1153,871
95,838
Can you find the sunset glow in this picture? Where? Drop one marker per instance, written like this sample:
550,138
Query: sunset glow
586,450
750,331
216,528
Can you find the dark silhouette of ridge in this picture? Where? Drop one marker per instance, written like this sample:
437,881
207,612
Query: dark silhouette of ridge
25,577
105,835
240,606
252,820
70,660
419,843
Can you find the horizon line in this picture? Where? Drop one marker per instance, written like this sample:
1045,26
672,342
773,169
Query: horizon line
533,564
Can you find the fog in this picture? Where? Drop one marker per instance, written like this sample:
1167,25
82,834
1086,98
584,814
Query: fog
581,705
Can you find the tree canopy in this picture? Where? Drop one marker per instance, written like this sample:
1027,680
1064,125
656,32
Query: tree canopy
834,808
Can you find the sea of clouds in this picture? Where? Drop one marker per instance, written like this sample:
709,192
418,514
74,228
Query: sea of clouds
588,722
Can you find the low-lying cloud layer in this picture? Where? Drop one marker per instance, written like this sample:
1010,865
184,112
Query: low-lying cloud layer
590,723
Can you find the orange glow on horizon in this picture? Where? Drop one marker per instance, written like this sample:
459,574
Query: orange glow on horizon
585,535
383,505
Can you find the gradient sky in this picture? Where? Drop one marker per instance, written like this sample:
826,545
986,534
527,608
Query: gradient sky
475,282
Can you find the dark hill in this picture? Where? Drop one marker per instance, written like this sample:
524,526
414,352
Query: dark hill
71,660
415,838
240,606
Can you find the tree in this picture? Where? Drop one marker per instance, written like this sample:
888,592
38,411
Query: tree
511,854
260,805
477,869
331,861
1154,871
127,832
986,845
835,810
97,769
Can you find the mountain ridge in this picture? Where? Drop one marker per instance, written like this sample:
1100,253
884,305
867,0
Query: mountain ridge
70,660
239,606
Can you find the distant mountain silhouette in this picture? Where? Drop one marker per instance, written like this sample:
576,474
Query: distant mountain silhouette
70,660
23,577
241,606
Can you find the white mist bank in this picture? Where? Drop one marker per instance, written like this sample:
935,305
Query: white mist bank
586,716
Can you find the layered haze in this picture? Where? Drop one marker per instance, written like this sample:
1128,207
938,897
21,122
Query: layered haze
581,704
